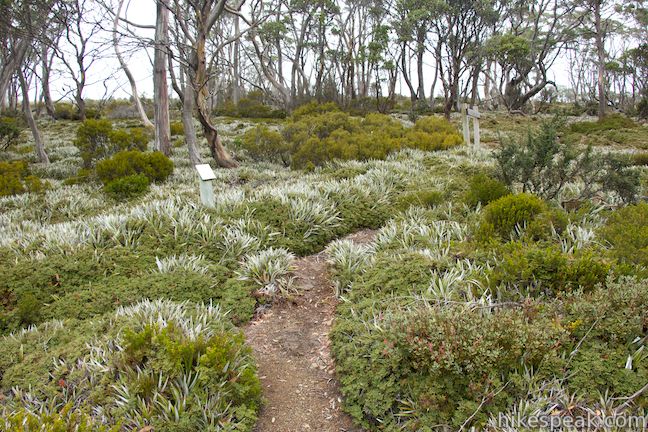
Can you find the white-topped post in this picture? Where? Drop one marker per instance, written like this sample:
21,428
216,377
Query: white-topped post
206,176
474,114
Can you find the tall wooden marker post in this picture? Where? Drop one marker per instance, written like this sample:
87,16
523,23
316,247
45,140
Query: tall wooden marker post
466,115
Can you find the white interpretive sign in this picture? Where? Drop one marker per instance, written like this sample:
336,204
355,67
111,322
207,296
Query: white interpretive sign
205,172
206,175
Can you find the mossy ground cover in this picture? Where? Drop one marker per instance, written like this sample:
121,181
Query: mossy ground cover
72,259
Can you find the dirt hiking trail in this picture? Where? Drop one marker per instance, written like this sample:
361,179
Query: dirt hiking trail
292,350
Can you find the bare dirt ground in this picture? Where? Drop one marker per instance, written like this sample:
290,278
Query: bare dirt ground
292,349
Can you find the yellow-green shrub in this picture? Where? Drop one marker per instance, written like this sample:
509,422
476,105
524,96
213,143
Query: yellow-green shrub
154,165
505,213
15,179
329,134
96,139
263,143
128,186
177,128
627,232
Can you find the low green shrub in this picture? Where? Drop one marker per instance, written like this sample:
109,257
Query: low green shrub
153,358
505,213
155,166
483,189
252,106
640,159
319,134
65,111
313,109
545,271
77,285
177,128
127,187
427,198
406,365
15,179
263,143
9,132
96,139
609,122
626,230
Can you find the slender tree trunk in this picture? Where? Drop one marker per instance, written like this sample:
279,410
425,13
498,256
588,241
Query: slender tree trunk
406,77
188,104
236,68
420,51
600,52
38,139
47,95
160,84
131,80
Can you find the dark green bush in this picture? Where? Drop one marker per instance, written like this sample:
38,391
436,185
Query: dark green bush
609,122
642,108
627,232
65,111
127,187
543,165
483,189
96,139
505,213
155,166
545,271
9,132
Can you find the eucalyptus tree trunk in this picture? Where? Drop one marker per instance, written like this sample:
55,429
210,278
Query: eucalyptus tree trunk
41,154
46,63
199,81
131,80
600,52
188,105
160,84
236,64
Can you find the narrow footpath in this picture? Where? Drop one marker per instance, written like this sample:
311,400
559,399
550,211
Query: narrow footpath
292,349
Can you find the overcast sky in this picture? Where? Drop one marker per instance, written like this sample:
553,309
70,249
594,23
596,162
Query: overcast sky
143,12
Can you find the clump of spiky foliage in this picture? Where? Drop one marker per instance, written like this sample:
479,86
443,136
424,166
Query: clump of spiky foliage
156,363
348,259
269,269
173,263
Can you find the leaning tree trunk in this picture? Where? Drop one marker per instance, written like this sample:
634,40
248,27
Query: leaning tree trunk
38,139
160,84
199,81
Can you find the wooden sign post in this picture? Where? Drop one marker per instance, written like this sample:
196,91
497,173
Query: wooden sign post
206,175
467,114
